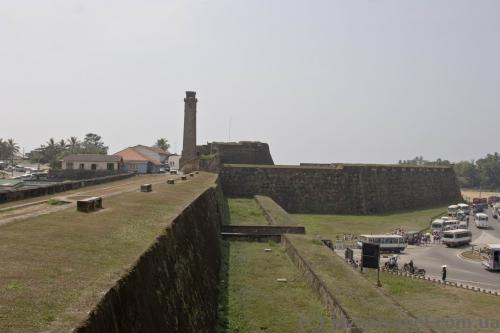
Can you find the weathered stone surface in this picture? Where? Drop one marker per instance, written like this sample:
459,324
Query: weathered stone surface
173,286
343,189
243,152
189,138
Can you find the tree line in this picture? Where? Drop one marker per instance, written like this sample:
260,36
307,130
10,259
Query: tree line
53,151
8,150
484,172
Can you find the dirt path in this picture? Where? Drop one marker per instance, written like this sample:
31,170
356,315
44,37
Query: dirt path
25,210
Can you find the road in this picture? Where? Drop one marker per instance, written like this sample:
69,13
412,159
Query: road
433,256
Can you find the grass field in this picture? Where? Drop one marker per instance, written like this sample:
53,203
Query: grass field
399,298
53,268
280,216
246,211
329,226
255,302
94,189
444,305
358,296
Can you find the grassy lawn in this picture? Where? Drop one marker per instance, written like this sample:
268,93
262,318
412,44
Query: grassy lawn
358,296
246,211
329,226
135,180
53,268
279,214
255,302
438,304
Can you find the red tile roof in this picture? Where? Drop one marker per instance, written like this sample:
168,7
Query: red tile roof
158,150
132,155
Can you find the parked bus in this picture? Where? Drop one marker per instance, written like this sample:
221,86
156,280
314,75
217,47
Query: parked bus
457,237
452,210
437,226
481,220
492,257
388,243
465,208
450,224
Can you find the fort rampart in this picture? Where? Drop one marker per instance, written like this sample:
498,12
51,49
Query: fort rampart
173,286
343,188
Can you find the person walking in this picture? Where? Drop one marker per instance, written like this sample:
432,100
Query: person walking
443,273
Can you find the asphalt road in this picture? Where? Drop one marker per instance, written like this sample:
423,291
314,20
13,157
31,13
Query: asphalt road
433,256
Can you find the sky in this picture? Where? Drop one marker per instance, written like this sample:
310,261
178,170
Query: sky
320,81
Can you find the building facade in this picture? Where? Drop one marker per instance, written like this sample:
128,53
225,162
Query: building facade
174,162
143,159
92,162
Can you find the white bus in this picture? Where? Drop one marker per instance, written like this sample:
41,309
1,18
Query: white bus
464,208
457,237
452,210
496,210
450,224
437,226
388,243
481,220
492,257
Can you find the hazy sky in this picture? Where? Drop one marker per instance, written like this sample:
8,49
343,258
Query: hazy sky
320,81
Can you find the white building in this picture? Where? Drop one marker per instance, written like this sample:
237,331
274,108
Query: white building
92,162
173,162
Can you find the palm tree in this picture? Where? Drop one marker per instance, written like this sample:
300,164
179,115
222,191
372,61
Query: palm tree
12,150
62,144
3,149
73,145
163,144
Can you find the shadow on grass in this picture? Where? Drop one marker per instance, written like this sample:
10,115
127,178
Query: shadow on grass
222,307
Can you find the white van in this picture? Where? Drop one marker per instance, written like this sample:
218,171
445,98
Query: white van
450,225
452,210
492,263
481,220
457,237
437,226
496,211
464,208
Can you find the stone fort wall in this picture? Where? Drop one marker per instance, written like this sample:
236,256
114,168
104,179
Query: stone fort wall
214,154
343,189
173,286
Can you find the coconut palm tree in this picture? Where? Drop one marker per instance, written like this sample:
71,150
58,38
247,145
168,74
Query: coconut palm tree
12,150
62,145
3,149
73,144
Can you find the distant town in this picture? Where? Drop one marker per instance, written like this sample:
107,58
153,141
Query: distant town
91,154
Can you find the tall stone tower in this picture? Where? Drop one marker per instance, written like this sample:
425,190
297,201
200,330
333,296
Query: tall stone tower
189,141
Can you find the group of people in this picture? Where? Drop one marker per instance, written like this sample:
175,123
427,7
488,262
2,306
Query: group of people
347,237
399,231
